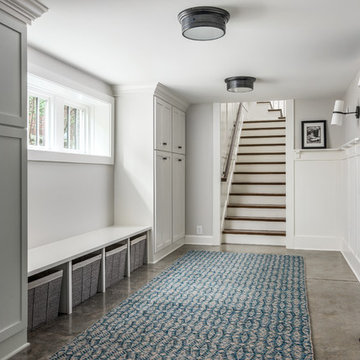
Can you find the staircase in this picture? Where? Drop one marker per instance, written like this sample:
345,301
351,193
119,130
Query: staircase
256,206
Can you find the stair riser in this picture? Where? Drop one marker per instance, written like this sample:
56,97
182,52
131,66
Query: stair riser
254,225
258,189
256,212
236,199
260,158
255,149
271,140
263,132
253,239
260,167
267,124
260,177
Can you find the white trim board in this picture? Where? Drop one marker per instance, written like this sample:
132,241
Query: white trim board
200,240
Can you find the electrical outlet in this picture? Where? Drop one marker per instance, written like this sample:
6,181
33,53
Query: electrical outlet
199,229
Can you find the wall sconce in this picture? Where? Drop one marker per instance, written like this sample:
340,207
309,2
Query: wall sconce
339,114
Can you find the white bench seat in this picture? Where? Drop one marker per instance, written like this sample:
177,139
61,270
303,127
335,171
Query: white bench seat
60,254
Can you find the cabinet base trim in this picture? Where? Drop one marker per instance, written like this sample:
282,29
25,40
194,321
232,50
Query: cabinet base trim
166,251
13,345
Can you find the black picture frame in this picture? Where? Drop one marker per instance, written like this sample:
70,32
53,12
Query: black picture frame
313,134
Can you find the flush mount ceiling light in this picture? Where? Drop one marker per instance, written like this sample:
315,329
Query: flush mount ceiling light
203,22
240,84
339,114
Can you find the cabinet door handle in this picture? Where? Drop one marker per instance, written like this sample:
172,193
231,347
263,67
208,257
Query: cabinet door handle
179,159
179,147
164,144
164,158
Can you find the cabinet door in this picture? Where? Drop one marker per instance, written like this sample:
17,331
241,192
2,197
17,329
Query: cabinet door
163,203
178,134
13,231
178,198
13,72
163,114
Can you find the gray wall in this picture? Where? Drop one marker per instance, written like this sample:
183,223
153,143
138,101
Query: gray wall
67,199
352,99
317,109
199,168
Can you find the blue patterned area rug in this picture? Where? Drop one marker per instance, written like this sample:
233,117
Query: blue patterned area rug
208,305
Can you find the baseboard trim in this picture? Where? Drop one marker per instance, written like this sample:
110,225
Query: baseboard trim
321,243
200,240
352,260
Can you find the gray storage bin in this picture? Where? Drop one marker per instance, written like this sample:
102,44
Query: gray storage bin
137,252
85,278
43,297
115,264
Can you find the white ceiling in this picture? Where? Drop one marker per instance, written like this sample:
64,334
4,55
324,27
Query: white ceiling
295,48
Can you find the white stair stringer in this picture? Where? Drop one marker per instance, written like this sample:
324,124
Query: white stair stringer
256,208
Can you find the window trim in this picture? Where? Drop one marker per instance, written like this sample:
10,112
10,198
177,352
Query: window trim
47,89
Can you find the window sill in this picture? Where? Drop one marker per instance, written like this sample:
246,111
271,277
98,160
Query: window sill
53,156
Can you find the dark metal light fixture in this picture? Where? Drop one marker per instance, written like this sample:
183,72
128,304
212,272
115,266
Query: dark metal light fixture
240,84
203,22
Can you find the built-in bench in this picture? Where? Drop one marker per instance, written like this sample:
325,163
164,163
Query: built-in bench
60,255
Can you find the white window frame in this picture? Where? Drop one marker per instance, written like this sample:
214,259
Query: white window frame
48,119
54,144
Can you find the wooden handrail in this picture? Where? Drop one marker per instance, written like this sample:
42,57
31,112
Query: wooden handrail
225,173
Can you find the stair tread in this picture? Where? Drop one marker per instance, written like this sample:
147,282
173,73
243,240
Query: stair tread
263,121
257,183
257,206
255,218
272,144
262,153
259,162
274,110
261,136
255,232
265,128
260,172
257,194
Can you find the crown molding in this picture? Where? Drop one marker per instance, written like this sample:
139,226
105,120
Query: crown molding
119,90
158,90
24,10
164,93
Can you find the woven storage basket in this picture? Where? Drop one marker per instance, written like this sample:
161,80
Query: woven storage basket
44,297
115,264
137,252
85,278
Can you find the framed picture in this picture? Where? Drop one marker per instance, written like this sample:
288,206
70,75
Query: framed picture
313,134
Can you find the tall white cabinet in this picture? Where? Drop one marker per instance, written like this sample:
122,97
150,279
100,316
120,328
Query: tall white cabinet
13,173
169,185
150,165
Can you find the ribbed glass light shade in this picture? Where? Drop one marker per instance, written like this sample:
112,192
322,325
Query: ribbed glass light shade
338,116
240,84
203,23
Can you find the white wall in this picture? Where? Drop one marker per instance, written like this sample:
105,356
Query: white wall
67,199
199,169
351,125
134,199
317,109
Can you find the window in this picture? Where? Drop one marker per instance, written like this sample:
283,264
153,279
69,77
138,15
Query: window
68,125
38,113
72,118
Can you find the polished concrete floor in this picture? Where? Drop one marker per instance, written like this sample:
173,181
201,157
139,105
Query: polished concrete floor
333,293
